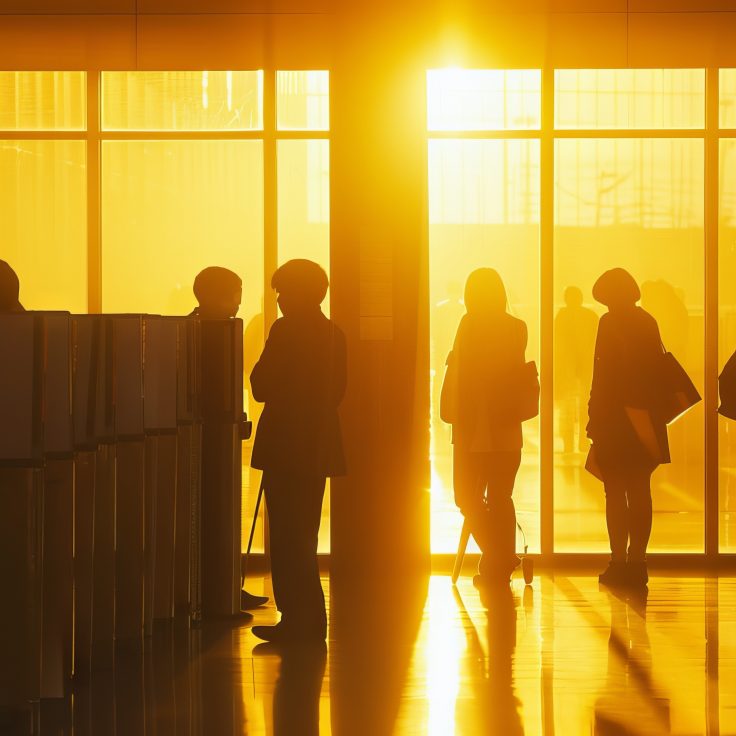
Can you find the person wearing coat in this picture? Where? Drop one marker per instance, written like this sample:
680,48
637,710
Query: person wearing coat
301,378
625,425
480,401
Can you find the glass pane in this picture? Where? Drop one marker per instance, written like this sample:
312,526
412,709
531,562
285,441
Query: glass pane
171,208
303,100
304,229
629,98
727,340
637,204
484,99
483,212
727,97
43,100
182,100
43,221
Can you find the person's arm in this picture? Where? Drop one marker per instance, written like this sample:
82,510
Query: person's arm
266,376
599,385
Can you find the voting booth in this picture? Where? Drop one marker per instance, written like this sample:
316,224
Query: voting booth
21,508
127,363
160,424
120,487
222,413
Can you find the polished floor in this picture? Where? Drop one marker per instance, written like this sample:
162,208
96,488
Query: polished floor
563,656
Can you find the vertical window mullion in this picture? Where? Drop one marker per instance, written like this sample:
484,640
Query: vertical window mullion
94,220
546,306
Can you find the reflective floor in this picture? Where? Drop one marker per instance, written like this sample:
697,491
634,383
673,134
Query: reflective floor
560,657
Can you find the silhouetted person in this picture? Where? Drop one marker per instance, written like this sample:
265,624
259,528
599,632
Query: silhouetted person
629,437
218,292
9,290
486,361
301,379
575,327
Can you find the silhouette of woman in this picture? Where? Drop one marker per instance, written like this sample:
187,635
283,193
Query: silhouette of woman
483,368
629,437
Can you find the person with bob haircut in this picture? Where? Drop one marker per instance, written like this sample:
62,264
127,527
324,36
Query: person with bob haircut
301,378
629,437
479,400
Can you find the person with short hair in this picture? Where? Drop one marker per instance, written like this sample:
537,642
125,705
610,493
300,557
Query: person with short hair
629,436
9,289
301,378
219,292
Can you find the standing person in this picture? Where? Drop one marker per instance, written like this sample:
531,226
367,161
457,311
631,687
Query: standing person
575,327
480,403
9,289
219,292
629,437
301,378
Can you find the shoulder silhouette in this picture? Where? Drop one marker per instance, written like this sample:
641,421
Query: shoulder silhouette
9,289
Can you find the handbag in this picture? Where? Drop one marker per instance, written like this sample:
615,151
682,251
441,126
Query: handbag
678,391
727,389
528,391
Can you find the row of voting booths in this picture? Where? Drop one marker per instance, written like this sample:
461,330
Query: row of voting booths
120,493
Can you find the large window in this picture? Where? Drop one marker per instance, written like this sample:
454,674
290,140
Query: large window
552,178
117,189
483,212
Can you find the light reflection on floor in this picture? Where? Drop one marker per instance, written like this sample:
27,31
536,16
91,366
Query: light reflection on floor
563,656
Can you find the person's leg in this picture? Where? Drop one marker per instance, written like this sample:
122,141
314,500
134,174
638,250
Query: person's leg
307,509
294,510
277,491
640,514
470,483
501,470
617,515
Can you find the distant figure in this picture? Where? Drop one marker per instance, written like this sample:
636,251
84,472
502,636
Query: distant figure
667,306
484,365
218,292
9,290
629,438
575,327
301,378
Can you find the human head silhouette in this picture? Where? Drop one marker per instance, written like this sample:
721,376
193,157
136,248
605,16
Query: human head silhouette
9,289
616,289
573,297
485,293
218,291
301,286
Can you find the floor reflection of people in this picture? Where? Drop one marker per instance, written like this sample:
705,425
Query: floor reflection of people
575,328
493,707
298,688
630,703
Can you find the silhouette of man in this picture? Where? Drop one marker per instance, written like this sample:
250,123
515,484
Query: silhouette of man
9,290
300,377
218,292
575,328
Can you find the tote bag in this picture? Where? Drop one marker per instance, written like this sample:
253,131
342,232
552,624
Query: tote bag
678,391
